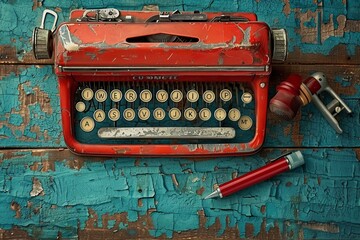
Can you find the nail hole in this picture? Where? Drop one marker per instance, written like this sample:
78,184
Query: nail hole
140,190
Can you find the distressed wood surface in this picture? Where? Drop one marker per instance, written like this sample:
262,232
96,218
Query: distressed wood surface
47,192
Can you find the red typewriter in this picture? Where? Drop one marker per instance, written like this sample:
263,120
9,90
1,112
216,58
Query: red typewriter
147,83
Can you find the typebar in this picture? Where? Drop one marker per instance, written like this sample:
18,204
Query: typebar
167,132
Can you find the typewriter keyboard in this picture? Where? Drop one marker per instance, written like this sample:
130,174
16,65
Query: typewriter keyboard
158,112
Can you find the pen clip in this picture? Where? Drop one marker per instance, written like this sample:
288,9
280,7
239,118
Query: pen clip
281,156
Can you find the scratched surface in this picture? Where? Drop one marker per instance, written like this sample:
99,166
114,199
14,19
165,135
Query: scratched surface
46,192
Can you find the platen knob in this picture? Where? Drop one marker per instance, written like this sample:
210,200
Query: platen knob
42,43
42,39
279,44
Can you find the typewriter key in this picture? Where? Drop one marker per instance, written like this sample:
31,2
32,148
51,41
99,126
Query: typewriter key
225,95
145,95
208,96
130,95
159,114
192,95
246,97
162,96
220,114
114,114
205,114
116,95
234,114
144,113
245,123
101,95
174,114
129,114
176,95
99,115
80,106
87,94
190,114
87,124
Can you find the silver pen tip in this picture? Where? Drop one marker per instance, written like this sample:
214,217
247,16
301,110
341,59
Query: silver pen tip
212,195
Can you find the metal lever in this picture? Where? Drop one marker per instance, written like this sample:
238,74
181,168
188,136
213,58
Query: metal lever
51,12
334,107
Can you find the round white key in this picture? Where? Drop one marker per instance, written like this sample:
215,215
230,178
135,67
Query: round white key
245,123
225,95
205,114
159,114
145,95
162,96
220,114
176,95
129,114
116,95
130,95
80,106
246,97
208,96
234,114
192,95
100,95
114,114
190,114
174,114
87,94
144,113
99,115
87,124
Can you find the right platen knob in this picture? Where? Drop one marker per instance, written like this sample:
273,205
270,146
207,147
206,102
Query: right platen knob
279,44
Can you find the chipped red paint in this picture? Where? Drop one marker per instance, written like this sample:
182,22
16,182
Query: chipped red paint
81,48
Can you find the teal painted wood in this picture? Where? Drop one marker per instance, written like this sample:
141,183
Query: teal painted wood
313,26
49,191
29,103
45,200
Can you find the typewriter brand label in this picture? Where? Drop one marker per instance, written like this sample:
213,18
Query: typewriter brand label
155,77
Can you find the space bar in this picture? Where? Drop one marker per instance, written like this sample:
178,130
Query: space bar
167,132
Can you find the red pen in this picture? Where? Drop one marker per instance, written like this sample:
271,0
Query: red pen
280,165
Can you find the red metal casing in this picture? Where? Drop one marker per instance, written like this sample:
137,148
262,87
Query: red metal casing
99,51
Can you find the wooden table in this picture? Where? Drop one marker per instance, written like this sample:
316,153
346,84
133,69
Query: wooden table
47,192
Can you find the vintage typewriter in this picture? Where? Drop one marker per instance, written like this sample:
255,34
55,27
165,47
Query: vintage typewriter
147,83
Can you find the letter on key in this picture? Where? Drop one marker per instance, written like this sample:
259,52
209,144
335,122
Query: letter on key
162,96
144,113
99,115
208,96
87,124
100,95
115,95
114,114
87,94
145,95
205,114
174,114
159,114
129,114
130,95
225,95
245,123
190,114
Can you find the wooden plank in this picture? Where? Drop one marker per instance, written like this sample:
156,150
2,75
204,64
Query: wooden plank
84,197
318,33
29,103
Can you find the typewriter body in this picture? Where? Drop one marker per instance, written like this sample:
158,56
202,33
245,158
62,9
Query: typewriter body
146,83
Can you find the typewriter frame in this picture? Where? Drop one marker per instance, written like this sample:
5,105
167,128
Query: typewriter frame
254,69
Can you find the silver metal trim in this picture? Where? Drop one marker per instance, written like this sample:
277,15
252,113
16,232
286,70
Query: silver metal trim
166,133
169,69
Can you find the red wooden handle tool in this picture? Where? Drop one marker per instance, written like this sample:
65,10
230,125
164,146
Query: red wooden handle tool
282,164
